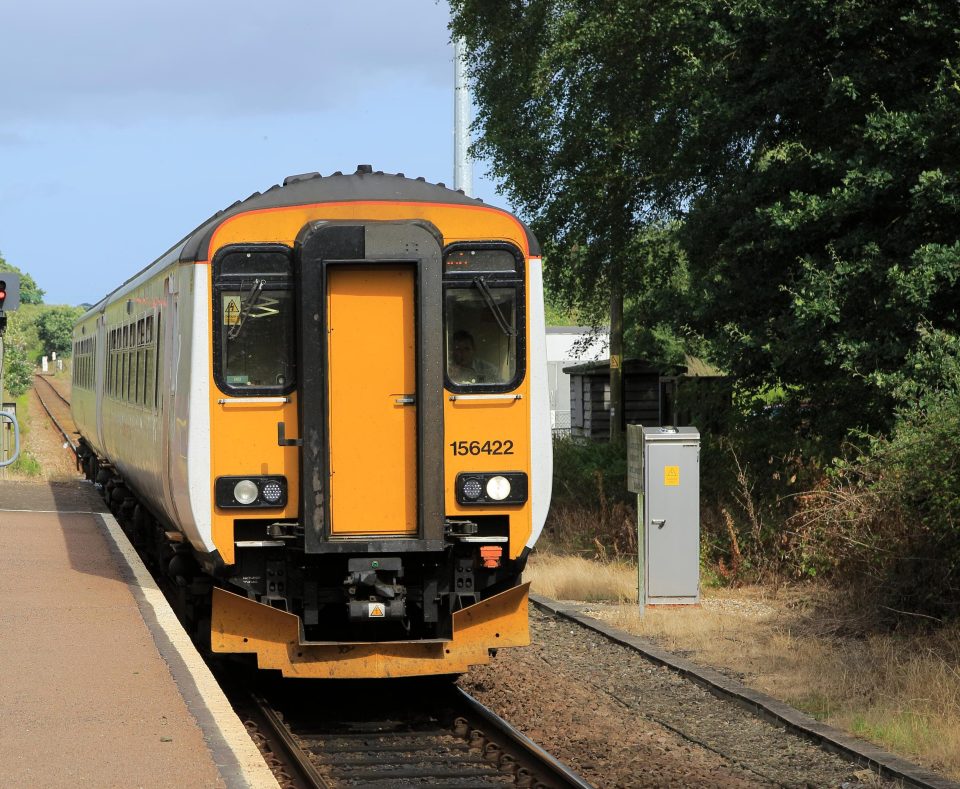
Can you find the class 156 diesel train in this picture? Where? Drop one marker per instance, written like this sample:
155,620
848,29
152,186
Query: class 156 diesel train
324,414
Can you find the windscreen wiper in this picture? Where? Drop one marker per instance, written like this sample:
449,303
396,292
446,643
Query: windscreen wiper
484,289
246,307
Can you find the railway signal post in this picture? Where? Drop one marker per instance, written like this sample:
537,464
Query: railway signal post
9,300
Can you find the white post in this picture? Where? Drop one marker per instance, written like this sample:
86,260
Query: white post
462,167
44,364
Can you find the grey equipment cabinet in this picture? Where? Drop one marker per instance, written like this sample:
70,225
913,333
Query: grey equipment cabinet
671,515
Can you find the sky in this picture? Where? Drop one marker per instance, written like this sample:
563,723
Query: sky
124,125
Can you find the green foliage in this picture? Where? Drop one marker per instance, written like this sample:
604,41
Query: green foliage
588,472
27,465
828,230
591,510
805,149
891,513
557,314
29,292
55,328
17,369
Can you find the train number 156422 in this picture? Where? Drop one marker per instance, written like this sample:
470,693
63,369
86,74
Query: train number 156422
482,447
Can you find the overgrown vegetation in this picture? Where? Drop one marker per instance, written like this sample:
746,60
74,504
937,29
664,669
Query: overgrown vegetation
591,512
772,186
891,510
26,465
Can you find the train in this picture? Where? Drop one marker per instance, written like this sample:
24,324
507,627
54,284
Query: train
323,417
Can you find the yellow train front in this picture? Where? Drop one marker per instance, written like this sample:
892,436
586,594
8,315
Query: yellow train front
332,400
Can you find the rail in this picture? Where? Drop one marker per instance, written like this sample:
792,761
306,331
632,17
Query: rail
72,444
424,734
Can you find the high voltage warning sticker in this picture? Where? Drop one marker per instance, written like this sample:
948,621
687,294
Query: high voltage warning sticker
376,611
671,476
231,311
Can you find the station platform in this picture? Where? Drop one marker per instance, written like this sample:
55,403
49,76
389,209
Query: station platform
99,684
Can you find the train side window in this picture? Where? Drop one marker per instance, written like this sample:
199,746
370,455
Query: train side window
484,321
254,320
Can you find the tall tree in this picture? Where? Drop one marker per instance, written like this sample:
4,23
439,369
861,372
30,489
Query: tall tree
55,328
558,104
807,146
823,230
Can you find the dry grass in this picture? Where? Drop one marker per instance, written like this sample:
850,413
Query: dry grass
799,645
575,578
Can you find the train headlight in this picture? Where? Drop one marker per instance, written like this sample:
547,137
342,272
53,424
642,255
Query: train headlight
504,487
498,488
246,491
250,492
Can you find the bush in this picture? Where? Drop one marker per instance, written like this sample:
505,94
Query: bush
591,510
890,516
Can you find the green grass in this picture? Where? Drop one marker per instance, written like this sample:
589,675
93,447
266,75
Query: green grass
819,706
26,464
904,732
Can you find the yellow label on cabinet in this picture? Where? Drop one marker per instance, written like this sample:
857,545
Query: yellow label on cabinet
671,476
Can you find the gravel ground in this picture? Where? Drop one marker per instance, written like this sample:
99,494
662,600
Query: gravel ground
45,443
604,710
619,720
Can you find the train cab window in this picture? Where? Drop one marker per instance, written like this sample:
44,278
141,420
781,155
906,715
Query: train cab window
254,330
483,317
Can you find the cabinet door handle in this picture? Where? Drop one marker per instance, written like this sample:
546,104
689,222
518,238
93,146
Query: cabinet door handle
406,400
658,522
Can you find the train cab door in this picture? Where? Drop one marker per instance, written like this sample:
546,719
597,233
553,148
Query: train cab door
370,385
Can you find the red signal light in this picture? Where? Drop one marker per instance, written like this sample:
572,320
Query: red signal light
3,293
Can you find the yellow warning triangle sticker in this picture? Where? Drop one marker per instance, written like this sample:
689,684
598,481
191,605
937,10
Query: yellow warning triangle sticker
376,610
231,311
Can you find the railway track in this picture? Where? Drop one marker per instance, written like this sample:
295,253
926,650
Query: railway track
390,733
55,401
887,769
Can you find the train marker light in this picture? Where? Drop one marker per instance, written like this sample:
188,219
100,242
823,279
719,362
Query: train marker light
472,489
246,491
271,491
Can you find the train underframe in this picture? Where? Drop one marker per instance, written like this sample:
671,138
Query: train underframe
330,615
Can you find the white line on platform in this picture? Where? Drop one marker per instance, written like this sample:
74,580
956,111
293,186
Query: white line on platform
225,734
55,512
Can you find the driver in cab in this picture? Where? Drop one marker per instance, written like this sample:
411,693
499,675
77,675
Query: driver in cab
465,367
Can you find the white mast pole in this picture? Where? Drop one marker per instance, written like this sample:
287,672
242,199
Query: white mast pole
462,166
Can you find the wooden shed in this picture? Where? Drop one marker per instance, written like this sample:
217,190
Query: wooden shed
643,396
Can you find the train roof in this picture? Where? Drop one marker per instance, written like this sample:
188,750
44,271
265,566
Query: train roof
307,189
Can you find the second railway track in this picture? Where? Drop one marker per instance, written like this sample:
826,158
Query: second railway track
58,409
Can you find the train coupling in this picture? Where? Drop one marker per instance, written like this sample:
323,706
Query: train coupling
374,590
